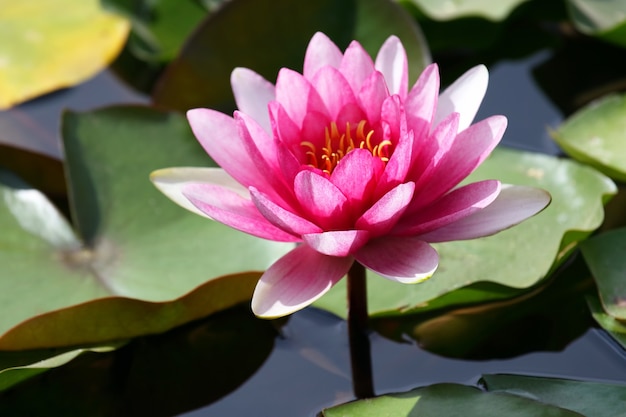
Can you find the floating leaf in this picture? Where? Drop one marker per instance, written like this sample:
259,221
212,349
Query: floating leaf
50,44
159,375
265,35
522,324
159,27
16,367
447,400
138,263
514,259
590,399
596,135
447,10
604,254
605,19
614,327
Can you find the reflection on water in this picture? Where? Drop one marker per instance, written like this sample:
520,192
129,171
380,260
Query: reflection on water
309,368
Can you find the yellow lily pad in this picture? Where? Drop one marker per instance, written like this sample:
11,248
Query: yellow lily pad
50,44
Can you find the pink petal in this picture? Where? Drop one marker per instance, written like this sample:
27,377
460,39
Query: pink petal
258,143
421,103
230,208
383,215
313,130
297,280
513,205
282,218
219,136
398,165
431,152
464,96
392,62
284,129
334,90
455,205
172,182
262,150
403,259
320,52
324,203
337,243
252,94
350,113
297,96
372,95
356,66
392,115
356,176
470,148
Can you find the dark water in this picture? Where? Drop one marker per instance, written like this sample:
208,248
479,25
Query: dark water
308,365
309,369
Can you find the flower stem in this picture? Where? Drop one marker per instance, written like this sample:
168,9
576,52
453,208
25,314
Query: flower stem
360,355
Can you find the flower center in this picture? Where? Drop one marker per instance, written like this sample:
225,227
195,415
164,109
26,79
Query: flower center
337,145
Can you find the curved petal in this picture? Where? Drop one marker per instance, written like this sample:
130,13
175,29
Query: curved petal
371,96
513,205
252,95
284,129
230,208
421,103
324,203
263,151
398,166
470,148
383,215
280,217
172,181
356,66
334,90
320,52
407,260
393,118
337,243
356,176
431,152
297,95
219,136
392,62
297,280
463,96
455,205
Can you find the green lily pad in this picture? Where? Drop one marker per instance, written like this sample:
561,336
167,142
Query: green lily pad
604,254
615,328
590,399
136,263
511,260
448,10
448,400
605,19
47,45
16,367
596,135
157,375
159,28
265,35
525,323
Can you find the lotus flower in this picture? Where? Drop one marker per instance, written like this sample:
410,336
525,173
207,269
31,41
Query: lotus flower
348,162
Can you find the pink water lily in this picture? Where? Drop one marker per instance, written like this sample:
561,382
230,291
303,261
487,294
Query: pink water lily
348,162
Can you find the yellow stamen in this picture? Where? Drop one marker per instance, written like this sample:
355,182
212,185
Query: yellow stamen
337,145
